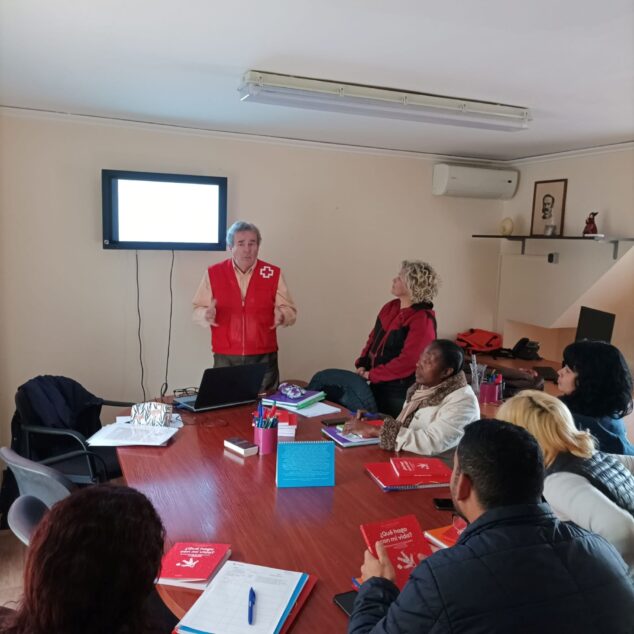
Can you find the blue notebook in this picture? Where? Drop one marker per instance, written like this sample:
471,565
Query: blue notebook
305,464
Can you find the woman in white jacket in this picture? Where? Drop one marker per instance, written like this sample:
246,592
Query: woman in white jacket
436,409
593,489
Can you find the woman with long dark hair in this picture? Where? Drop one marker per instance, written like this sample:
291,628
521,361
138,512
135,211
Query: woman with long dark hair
597,387
91,566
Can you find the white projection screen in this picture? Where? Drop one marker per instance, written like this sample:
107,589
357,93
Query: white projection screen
163,211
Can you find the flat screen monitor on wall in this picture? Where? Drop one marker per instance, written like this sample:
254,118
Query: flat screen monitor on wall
144,210
595,325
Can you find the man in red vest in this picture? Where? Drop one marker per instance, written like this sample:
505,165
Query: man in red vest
244,300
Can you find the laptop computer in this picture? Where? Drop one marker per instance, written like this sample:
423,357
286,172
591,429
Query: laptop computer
223,387
547,373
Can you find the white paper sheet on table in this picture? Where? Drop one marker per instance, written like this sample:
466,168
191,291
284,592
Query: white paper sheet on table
318,409
124,434
223,606
177,421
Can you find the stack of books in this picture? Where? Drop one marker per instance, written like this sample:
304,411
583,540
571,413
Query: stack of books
402,474
192,564
294,404
286,430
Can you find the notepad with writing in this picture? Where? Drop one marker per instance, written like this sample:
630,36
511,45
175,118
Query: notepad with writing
223,607
305,464
403,540
126,435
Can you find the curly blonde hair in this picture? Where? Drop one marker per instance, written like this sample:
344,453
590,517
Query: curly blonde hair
550,421
421,280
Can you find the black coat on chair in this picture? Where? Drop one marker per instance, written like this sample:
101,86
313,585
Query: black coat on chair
54,415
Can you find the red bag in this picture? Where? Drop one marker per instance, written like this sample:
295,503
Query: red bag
477,340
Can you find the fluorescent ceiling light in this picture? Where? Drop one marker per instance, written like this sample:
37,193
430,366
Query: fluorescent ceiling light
318,94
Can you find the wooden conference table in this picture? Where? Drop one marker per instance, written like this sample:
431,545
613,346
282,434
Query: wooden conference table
205,493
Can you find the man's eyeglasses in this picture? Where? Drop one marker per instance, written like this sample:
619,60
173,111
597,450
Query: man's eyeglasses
185,391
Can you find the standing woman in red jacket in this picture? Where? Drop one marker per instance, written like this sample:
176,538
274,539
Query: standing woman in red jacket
403,329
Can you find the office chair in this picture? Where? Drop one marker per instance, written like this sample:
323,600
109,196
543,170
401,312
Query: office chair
39,486
24,516
54,416
35,479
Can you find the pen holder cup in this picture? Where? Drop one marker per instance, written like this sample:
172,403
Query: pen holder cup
488,393
265,439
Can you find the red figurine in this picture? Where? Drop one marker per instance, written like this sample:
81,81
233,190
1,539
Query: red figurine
591,226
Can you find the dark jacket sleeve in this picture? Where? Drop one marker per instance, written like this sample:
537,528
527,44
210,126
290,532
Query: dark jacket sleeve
380,609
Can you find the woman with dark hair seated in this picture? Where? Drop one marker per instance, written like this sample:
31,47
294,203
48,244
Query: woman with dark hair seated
402,330
436,409
597,387
91,566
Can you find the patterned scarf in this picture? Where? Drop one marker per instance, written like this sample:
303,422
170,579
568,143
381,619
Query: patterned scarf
418,396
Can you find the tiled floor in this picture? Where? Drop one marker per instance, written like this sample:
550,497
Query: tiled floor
12,555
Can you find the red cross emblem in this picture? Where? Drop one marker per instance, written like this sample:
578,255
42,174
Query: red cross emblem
266,272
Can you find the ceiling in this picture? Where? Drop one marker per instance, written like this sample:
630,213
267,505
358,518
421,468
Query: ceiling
570,61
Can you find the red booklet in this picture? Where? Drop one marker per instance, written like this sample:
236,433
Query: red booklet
404,541
384,475
446,536
431,470
192,564
301,599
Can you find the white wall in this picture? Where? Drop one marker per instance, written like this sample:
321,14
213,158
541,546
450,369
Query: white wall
544,294
337,221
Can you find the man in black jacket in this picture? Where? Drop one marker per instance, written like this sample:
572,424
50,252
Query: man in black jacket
516,568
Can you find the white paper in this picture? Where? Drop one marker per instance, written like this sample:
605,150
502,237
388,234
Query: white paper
223,606
318,409
124,434
177,421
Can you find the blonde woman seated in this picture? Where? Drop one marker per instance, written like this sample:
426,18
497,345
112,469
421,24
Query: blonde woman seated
593,489
436,409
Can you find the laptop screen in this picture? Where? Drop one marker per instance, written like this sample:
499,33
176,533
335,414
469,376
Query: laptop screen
595,325
225,386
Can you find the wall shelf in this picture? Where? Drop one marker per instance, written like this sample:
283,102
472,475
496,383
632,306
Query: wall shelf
613,240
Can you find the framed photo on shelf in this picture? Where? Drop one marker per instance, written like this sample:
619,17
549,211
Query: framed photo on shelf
549,205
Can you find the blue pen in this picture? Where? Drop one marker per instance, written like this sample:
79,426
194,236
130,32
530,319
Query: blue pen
251,604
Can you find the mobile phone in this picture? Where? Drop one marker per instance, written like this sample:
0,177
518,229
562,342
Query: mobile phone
444,504
329,422
345,600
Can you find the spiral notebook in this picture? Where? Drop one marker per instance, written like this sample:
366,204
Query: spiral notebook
384,475
305,464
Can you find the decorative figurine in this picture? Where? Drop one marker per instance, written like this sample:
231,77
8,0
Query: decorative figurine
591,226
506,227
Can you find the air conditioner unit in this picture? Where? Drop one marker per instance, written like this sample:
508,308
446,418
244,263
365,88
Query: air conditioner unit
474,182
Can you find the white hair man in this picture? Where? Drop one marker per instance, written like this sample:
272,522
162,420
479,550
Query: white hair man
244,300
